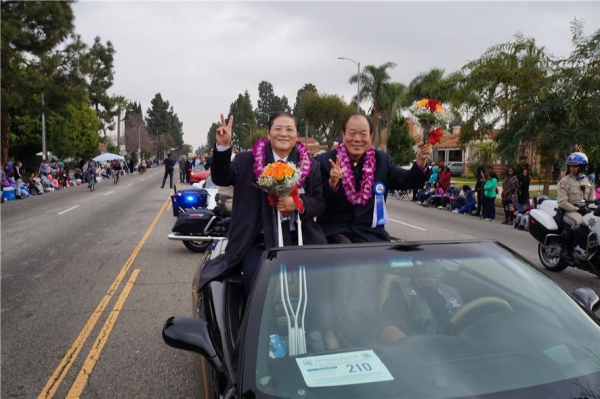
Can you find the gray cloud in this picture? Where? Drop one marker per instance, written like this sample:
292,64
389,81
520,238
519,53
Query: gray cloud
201,55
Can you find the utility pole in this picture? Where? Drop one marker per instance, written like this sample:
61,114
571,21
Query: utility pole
44,149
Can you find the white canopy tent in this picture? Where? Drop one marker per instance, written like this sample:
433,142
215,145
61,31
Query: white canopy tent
107,156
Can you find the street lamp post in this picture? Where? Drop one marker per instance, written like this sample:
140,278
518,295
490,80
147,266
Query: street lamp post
249,130
249,134
139,142
358,80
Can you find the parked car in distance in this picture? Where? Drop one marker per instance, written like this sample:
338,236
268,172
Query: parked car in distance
456,168
198,173
326,322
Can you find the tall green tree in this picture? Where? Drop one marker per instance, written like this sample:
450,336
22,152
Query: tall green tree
73,133
391,102
326,114
101,75
537,100
430,84
559,113
136,132
175,131
245,122
211,135
373,80
297,111
281,104
269,103
158,122
494,83
29,38
400,143
265,104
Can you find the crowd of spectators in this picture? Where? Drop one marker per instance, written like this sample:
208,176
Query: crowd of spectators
441,192
52,175
186,164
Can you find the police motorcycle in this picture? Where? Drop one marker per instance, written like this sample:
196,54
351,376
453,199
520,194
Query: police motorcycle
203,217
547,227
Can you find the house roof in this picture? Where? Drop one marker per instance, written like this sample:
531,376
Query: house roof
449,140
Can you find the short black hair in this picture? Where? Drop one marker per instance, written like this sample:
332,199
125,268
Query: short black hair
286,114
369,121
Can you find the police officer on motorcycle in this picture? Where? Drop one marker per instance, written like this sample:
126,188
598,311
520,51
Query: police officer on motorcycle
572,192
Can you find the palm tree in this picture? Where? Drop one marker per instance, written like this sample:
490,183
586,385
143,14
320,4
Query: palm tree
374,83
121,103
391,103
429,85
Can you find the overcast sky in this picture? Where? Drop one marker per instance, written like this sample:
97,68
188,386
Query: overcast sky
201,55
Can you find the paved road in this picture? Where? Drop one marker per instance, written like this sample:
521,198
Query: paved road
58,268
88,280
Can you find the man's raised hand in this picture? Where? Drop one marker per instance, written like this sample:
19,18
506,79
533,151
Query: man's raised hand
224,132
335,174
424,151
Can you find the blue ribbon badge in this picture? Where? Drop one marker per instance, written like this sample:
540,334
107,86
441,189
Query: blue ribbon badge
379,212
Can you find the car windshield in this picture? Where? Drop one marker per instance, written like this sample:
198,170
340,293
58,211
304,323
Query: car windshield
432,320
199,168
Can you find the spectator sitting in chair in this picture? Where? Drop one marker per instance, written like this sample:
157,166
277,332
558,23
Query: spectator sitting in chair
49,182
32,185
469,204
424,194
522,216
450,197
435,199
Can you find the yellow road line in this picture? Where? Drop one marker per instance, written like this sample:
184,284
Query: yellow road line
88,366
67,361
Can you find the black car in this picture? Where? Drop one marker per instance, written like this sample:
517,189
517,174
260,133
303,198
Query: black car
392,320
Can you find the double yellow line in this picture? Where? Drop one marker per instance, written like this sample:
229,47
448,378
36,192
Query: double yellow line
63,368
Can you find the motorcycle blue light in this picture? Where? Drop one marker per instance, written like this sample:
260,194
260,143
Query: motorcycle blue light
190,198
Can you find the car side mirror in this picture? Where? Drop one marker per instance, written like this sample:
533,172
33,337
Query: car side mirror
587,298
191,334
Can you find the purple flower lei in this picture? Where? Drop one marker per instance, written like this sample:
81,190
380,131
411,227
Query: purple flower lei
366,184
260,157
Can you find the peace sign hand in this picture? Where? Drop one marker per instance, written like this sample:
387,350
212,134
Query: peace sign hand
224,132
335,174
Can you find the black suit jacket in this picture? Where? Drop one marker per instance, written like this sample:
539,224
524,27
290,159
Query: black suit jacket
341,217
252,212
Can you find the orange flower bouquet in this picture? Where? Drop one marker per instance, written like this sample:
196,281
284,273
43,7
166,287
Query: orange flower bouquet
279,178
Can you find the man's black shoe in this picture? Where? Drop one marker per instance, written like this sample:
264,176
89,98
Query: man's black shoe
162,186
